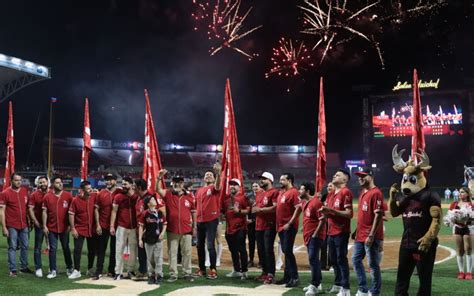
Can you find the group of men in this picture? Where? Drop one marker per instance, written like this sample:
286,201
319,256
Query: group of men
111,218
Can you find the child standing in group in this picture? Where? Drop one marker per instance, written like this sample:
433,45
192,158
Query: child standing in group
150,234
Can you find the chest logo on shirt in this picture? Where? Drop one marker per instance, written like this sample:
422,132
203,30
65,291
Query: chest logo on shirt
187,204
236,205
283,199
265,200
209,192
413,214
337,202
365,207
307,212
65,204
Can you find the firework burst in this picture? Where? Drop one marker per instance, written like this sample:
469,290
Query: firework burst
224,24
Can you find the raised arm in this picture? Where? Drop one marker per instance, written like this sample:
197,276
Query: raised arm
395,210
217,172
159,186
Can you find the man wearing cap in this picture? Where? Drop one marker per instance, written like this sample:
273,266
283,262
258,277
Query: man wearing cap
181,219
235,207
265,226
102,213
208,212
369,233
123,210
287,219
339,214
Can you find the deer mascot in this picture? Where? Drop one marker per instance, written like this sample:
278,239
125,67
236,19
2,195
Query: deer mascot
421,212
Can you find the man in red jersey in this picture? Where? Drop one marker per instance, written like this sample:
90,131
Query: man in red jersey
181,218
35,205
102,213
339,213
235,207
81,219
55,224
13,214
314,234
265,226
208,212
369,233
123,210
287,220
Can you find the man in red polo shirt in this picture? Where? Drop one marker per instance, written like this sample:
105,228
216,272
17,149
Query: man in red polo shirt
369,233
208,212
102,213
235,207
35,205
13,212
287,220
123,210
55,224
181,218
265,226
339,214
81,219
314,234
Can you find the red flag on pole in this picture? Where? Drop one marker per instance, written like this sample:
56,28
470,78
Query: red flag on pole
417,138
321,152
151,158
10,164
86,147
231,167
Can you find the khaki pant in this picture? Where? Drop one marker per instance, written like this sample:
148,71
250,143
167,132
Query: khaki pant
154,255
125,236
185,241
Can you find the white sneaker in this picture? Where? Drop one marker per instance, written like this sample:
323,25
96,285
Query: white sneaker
244,276
207,263
311,291
69,271
360,293
320,288
335,289
234,274
218,262
344,292
39,272
75,275
51,274
279,265
306,288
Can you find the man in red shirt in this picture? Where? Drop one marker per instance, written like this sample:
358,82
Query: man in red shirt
102,213
181,218
287,220
235,207
265,226
13,212
123,210
339,214
35,205
369,233
81,219
208,212
314,234
55,224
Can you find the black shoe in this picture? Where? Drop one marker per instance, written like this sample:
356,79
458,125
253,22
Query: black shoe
96,276
151,280
26,270
292,283
283,281
159,279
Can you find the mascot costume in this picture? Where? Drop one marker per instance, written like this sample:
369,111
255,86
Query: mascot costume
421,212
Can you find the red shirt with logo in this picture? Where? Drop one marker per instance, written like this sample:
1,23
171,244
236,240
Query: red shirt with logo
36,203
264,199
15,204
235,221
103,203
140,207
126,213
179,209
342,200
57,207
311,219
287,202
207,203
370,203
83,211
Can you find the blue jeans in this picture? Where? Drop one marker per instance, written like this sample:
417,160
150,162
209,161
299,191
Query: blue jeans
337,245
314,247
53,247
287,239
373,256
16,236
39,237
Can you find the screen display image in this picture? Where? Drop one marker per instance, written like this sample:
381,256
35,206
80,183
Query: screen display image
395,119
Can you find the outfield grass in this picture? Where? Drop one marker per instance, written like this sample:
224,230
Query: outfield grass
444,277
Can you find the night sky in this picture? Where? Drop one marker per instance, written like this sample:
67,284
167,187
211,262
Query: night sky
110,50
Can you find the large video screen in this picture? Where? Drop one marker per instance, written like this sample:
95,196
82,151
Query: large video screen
441,117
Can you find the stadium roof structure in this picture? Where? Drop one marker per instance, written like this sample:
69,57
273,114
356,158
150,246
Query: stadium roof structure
16,74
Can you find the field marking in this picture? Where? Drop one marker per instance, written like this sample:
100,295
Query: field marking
266,290
452,254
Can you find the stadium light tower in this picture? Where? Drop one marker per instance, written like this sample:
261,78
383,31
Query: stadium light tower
16,74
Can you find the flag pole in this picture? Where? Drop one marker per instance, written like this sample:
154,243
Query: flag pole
50,142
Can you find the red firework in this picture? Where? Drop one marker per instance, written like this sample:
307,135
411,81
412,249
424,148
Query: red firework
290,59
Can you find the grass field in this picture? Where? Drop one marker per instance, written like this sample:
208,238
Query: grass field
444,278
